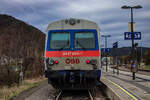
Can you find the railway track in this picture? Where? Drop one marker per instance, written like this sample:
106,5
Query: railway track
59,96
97,93
47,92
75,95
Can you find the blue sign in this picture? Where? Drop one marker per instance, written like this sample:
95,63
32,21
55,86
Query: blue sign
106,50
103,49
137,35
128,35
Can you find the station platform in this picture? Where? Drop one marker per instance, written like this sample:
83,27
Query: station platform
125,87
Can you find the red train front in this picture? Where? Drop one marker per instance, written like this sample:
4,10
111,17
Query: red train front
72,54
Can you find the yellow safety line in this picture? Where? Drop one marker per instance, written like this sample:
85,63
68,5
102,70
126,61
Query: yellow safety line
123,90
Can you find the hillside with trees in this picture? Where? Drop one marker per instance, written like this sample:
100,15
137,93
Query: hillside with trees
147,57
21,48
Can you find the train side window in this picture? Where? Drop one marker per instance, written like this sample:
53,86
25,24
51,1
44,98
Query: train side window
60,40
85,40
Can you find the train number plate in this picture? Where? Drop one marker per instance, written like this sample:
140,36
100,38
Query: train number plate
72,61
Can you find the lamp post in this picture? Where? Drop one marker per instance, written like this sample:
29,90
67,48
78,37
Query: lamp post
132,36
105,36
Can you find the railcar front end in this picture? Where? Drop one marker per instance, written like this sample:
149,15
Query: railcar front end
72,54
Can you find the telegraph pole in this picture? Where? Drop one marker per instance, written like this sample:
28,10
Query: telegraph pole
106,36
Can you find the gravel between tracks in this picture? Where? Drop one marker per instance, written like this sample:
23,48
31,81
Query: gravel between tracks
46,92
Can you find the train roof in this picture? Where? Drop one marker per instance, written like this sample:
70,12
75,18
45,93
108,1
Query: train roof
72,23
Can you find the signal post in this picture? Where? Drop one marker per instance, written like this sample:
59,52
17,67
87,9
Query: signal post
115,45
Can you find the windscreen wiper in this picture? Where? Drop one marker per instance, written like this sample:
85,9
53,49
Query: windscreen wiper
81,45
63,47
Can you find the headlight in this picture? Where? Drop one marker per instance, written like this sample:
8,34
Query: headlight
93,61
50,61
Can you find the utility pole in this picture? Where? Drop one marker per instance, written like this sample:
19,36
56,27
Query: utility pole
106,36
132,31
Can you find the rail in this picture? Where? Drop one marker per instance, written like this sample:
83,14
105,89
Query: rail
91,97
58,96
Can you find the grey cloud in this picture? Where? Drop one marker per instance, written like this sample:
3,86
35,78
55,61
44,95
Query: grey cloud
108,14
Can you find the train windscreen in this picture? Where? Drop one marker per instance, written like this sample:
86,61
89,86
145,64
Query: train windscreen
84,40
60,40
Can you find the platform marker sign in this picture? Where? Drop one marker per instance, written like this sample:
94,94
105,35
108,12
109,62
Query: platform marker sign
128,35
137,35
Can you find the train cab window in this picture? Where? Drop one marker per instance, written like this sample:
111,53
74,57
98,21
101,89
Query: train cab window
60,40
84,40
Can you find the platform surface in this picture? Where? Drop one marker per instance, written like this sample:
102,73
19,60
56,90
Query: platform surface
125,86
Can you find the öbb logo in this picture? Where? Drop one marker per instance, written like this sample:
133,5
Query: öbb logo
72,61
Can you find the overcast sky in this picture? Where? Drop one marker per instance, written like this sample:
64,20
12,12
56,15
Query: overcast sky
107,14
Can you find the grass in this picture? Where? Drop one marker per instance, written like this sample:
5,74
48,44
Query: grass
147,67
7,93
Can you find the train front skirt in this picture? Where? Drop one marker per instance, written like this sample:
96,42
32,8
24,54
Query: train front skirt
73,79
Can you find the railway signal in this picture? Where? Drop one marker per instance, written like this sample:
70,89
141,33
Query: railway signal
115,45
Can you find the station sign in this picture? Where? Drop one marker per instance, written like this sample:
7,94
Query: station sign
128,35
106,50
